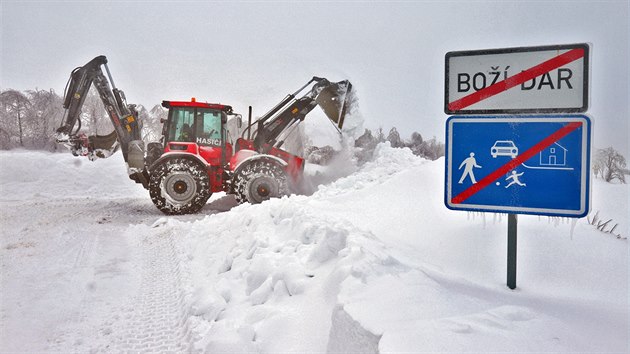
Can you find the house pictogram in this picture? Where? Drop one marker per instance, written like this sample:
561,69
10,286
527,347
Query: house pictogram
554,155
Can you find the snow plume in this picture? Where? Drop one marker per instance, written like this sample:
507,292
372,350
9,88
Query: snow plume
342,164
385,162
353,124
343,161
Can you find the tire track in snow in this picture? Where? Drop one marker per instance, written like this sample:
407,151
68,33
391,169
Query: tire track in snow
159,320
92,263
56,282
80,272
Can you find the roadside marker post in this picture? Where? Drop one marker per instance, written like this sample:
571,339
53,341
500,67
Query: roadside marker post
518,160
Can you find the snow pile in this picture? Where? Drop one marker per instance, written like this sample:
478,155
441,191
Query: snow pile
266,277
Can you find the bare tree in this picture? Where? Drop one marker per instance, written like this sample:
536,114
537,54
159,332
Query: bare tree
610,164
14,104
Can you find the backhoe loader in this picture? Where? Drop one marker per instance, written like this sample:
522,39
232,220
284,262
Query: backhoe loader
194,158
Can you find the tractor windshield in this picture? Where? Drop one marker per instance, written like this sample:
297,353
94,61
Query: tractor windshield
199,125
180,126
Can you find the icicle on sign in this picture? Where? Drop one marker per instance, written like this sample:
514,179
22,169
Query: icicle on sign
518,80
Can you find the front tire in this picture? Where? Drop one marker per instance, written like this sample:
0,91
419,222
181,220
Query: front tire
179,186
259,181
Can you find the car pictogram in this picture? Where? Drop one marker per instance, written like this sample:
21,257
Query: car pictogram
504,148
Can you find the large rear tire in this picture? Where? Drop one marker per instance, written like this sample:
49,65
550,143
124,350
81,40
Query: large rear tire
259,181
179,186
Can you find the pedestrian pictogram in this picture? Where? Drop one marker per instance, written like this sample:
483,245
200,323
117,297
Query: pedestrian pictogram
514,164
468,166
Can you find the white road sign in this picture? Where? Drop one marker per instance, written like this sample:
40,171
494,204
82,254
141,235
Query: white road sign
518,80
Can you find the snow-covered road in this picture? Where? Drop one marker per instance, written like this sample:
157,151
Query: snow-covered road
372,262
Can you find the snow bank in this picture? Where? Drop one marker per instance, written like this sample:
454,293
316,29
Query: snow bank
267,276
573,285
42,175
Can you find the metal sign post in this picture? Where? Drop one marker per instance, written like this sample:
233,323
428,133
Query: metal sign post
511,251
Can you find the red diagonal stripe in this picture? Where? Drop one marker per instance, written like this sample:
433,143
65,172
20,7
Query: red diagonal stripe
517,79
557,135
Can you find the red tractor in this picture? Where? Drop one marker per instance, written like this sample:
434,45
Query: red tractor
194,158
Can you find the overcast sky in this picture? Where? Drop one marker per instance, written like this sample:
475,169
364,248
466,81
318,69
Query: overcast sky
254,53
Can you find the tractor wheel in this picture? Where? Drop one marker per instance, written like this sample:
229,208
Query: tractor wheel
179,186
260,180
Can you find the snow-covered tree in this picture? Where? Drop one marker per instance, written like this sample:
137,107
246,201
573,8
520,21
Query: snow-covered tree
394,138
380,135
415,144
152,122
365,140
431,149
43,117
610,164
13,107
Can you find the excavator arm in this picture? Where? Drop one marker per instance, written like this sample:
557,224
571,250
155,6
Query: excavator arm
124,117
273,127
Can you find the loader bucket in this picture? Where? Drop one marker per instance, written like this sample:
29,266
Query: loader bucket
334,100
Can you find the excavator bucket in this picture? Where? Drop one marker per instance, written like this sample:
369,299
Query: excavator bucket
335,100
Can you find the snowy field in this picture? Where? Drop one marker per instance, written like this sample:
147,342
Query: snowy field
372,262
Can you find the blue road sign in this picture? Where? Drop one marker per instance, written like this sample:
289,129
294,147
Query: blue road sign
519,164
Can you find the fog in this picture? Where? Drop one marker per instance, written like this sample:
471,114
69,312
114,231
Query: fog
254,53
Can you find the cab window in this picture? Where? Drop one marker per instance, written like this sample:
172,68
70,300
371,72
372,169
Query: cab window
181,125
208,127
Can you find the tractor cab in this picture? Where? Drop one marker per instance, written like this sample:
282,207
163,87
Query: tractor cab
197,128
